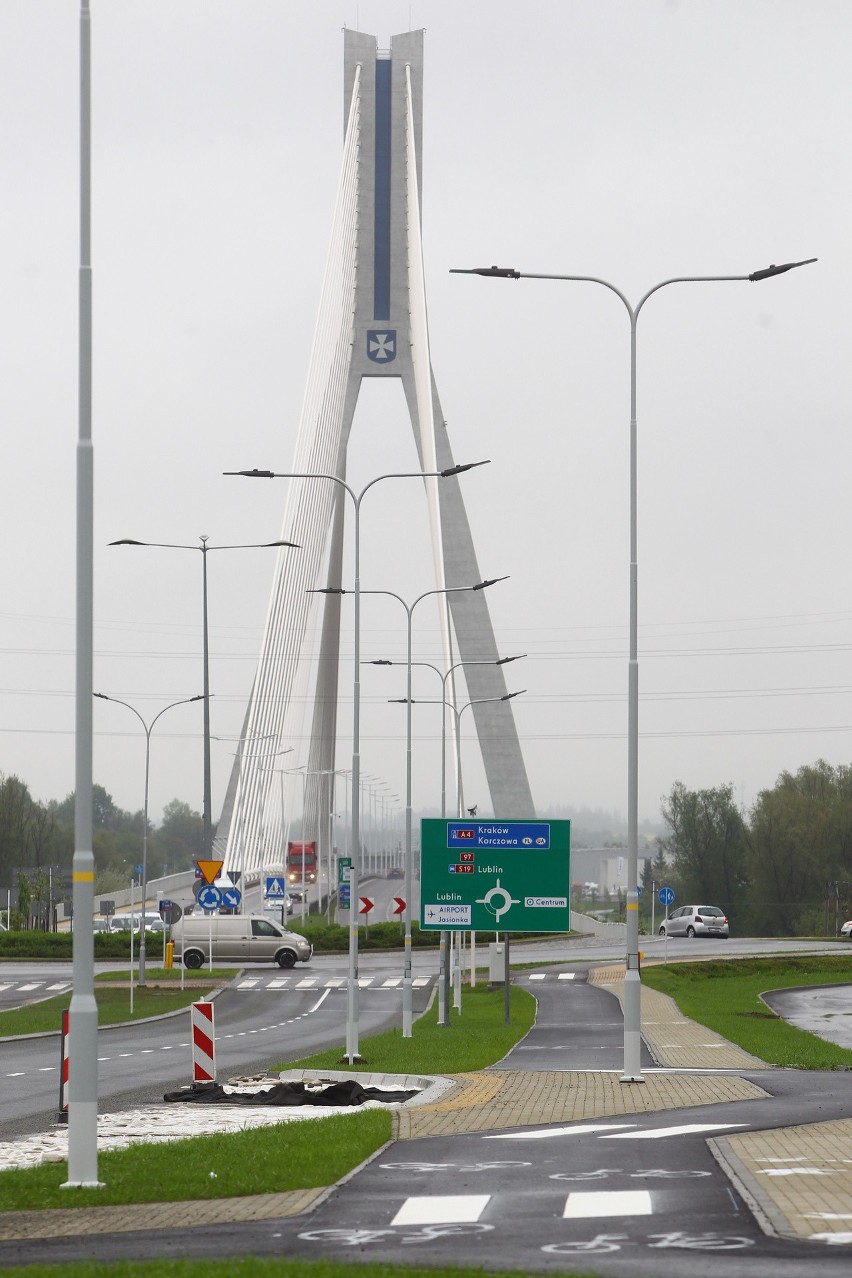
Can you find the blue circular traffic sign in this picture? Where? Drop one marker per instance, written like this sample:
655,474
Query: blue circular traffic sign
666,896
210,897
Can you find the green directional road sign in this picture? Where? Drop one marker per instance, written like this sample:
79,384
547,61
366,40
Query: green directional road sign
495,876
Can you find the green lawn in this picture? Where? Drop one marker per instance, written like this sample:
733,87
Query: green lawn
263,1160
249,1267
475,1038
724,995
113,1006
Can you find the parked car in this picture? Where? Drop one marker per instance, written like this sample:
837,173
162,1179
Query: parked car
846,930
124,922
696,920
237,938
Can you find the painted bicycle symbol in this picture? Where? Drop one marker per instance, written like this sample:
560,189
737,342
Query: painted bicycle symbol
362,1237
652,1173
600,1242
701,1242
613,1242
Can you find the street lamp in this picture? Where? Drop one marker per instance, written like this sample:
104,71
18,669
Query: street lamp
207,837
632,983
148,729
407,999
352,1053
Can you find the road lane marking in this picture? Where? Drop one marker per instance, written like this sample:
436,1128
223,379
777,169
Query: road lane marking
451,1209
688,1129
583,1129
621,1202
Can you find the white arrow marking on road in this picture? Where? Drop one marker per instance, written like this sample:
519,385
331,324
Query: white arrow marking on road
452,1209
625,1202
582,1130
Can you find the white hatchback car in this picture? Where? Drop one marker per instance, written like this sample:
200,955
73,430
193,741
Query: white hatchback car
696,920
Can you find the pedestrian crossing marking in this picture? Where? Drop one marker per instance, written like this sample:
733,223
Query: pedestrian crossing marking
624,1202
450,1209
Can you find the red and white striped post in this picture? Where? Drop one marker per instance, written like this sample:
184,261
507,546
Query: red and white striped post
62,1115
203,1044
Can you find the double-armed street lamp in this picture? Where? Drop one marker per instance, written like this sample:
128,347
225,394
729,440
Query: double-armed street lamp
357,497
632,985
148,729
205,550
407,985
444,677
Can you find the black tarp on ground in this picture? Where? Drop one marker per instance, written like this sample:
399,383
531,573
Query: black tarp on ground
348,1092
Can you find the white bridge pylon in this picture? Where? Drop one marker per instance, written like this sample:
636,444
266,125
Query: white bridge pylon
372,322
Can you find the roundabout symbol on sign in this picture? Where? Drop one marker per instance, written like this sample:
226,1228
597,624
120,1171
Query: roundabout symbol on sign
498,910
210,897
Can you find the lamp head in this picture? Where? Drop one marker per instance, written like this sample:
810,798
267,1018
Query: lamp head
252,474
768,271
496,272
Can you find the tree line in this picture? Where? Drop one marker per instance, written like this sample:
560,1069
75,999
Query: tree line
37,845
782,868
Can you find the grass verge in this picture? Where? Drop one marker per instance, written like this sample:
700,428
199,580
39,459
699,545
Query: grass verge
251,1267
724,995
113,1008
475,1038
262,1160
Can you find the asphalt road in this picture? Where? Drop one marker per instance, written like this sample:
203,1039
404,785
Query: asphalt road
639,1195
267,1019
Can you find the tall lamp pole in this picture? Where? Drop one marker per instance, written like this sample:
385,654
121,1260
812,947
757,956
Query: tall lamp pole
147,729
352,1053
205,550
632,984
83,1010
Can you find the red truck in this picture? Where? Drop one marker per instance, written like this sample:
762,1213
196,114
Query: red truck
301,862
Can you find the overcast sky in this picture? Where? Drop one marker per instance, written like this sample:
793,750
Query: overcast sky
629,139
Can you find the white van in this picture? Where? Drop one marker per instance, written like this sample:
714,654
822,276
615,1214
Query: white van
237,938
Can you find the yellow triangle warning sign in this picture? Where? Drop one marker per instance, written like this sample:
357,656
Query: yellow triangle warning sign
210,870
